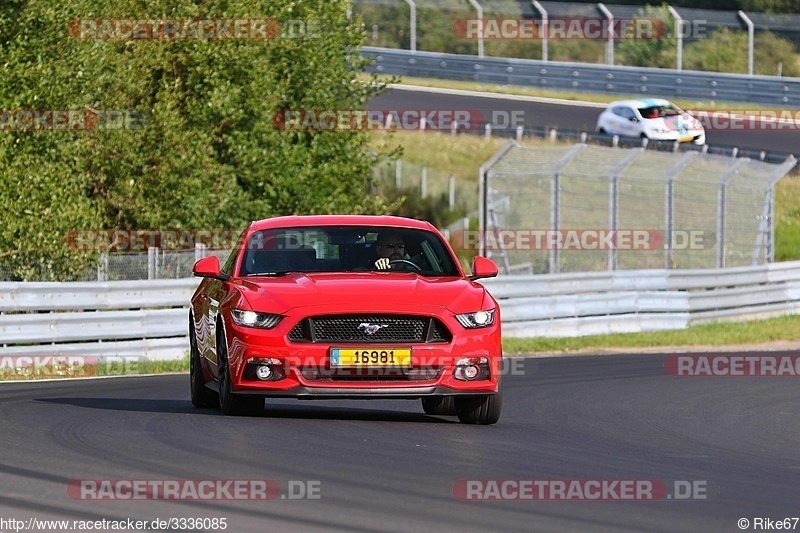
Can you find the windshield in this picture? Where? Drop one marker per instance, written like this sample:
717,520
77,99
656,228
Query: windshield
276,252
658,111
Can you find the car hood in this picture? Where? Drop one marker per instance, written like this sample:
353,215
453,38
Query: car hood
373,290
675,122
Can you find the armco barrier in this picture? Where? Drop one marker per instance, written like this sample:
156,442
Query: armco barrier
150,318
147,318
626,301
582,77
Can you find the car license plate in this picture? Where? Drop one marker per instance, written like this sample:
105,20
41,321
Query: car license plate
370,357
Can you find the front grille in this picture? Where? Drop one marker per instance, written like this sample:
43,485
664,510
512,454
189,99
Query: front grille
383,328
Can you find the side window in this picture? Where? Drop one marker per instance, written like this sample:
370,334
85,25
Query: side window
620,111
628,113
227,268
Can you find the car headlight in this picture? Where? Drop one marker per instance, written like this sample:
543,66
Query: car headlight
255,320
479,319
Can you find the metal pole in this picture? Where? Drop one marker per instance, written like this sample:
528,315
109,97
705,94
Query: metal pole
483,188
679,31
611,35
750,30
555,201
613,200
452,191
413,25
423,183
722,207
398,173
545,27
669,208
479,9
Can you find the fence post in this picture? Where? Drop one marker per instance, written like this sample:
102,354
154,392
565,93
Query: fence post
199,251
613,201
669,206
722,206
398,173
102,267
452,192
152,262
423,183
412,25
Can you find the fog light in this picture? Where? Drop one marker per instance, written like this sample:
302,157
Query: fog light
471,372
471,369
263,372
264,369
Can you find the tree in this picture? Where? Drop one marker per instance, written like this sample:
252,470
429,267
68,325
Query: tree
207,153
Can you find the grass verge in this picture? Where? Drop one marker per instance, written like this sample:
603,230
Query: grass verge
24,368
785,328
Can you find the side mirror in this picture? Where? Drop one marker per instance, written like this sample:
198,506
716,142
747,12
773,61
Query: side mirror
483,268
634,119
207,267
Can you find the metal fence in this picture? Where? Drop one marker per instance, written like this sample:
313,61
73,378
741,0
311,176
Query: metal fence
580,77
150,318
552,209
430,25
595,303
407,177
120,266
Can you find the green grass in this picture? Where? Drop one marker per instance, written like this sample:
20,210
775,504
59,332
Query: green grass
117,367
785,328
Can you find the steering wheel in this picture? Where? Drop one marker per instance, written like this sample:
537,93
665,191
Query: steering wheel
407,262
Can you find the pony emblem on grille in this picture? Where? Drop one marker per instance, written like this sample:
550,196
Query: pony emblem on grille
371,329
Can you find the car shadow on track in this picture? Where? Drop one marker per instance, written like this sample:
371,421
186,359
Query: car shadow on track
284,411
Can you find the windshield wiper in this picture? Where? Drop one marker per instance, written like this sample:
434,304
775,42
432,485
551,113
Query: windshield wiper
271,274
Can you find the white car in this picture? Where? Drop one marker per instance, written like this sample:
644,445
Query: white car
651,118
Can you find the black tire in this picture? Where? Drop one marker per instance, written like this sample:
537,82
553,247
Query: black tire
480,409
229,403
439,405
602,131
201,396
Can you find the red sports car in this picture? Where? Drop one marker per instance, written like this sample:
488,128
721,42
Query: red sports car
345,307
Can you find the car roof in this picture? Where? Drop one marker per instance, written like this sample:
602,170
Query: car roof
644,102
294,221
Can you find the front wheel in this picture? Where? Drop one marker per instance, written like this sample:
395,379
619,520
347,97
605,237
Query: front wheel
229,403
201,396
483,410
439,405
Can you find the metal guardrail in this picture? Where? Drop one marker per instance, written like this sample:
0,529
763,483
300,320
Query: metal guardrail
147,318
583,77
566,305
96,319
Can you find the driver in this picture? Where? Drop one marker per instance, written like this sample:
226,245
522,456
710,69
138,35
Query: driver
389,247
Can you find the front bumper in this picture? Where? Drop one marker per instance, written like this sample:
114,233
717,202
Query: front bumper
305,370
